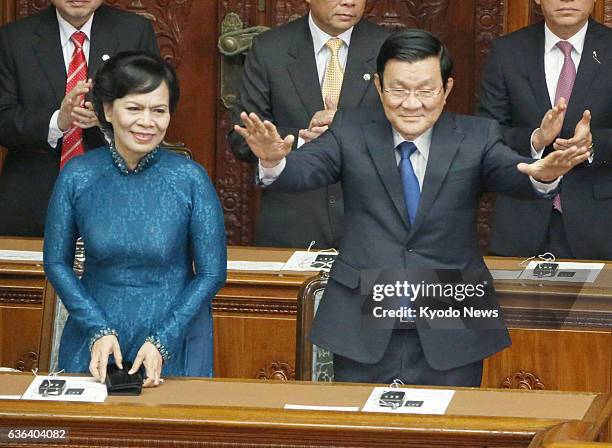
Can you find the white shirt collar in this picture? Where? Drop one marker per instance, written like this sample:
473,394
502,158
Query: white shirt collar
577,40
320,37
422,142
67,30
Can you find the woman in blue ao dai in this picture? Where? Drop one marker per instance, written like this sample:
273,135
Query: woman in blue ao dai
153,232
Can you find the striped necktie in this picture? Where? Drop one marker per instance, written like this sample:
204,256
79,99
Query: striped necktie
72,143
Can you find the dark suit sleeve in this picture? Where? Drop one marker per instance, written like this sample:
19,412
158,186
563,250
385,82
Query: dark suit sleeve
23,127
148,40
254,96
316,165
602,143
495,103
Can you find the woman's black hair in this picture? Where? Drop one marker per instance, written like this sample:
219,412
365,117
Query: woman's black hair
412,45
132,72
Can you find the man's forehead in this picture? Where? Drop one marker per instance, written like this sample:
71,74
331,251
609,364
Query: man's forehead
421,71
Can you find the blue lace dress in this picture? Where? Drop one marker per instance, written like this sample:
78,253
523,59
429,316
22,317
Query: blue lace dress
145,232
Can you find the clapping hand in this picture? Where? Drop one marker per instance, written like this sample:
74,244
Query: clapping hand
582,134
264,140
320,121
84,116
74,111
551,125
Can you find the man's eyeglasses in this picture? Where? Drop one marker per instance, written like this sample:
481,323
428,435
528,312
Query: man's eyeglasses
402,94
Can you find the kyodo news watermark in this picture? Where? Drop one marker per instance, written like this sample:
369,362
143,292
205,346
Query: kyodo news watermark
442,298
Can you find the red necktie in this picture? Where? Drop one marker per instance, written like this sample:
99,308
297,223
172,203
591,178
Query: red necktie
72,144
564,89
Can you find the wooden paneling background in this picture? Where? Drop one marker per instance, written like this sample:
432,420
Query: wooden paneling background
188,30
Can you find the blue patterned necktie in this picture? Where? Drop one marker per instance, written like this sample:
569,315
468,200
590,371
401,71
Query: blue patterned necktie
410,183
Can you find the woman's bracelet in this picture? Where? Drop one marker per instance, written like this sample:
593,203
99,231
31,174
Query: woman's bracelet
100,334
161,348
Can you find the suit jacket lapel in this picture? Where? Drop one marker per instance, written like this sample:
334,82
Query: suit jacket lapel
379,141
361,52
48,50
303,71
103,40
534,65
445,143
587,70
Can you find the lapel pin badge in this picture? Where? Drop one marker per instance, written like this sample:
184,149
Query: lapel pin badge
595,57
366,76
105,57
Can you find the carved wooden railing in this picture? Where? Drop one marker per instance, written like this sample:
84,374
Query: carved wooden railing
574,433
523,380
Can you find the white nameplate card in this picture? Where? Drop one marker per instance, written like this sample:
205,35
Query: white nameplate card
69,388
562,271
315,261
254,265
20,255
304,407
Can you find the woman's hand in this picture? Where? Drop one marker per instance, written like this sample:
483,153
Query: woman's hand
100,351
152,360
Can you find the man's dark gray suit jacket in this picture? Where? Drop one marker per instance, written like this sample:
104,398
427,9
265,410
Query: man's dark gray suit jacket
280,83
514,93
466,158
32,86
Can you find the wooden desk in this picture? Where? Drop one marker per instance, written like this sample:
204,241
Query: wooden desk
254,318
561,334
255,314
198,412
24,291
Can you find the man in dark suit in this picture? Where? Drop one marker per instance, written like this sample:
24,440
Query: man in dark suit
36,111
419,218
284,80
517,95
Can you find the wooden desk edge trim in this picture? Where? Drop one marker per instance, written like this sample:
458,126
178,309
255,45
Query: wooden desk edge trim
27,411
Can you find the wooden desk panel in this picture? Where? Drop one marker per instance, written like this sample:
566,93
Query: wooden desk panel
561,334
20,328
197,412
553,360
254,317
22,288
24,291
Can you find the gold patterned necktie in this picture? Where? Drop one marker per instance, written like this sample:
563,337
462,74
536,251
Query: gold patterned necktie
332,81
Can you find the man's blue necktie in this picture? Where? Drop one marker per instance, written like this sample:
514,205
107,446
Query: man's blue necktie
410,183
412,193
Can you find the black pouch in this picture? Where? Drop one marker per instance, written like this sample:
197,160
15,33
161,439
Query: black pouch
119,382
